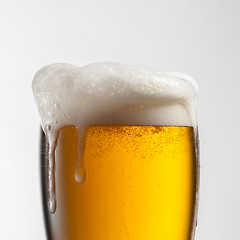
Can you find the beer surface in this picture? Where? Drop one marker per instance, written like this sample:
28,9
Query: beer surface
140,184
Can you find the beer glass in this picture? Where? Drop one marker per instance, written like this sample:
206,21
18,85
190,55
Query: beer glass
132,173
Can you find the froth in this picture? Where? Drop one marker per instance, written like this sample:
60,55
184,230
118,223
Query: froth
111,93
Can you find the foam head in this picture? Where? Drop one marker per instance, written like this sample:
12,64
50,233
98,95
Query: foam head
112,93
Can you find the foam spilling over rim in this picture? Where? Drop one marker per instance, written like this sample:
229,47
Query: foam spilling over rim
108,94
112,93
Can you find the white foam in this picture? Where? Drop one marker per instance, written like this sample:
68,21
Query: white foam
112,93
109,93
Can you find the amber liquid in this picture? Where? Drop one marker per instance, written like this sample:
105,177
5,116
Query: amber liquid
141,184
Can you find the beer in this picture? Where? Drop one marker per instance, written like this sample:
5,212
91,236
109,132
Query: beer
140,184
119,159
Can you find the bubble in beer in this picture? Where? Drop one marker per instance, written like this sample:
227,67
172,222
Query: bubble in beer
108,94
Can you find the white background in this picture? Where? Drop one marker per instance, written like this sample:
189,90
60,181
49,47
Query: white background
199,37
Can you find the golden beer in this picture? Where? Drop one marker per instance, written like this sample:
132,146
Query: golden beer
141,183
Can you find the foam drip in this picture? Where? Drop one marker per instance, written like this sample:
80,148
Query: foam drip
80,170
